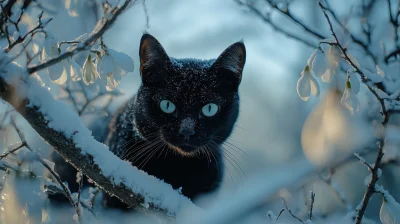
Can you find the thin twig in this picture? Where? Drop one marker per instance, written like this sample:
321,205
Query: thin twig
290,211
392,54
375,169
80,182
310,213
97,33
2,156
371,185
38,28
275,26
336,189
370,168
354,38
44,163
393,21
288,14
280,213
364,78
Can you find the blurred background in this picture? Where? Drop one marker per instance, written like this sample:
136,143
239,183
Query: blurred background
272,115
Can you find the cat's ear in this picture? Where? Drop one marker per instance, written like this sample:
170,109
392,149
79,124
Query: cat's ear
152,57
229,65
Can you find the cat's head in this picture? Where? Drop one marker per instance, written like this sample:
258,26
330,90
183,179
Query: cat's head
188,104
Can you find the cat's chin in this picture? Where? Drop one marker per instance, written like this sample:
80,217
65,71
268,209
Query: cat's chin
184,149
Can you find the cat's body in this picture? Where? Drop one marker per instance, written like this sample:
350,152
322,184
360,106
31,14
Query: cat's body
183,111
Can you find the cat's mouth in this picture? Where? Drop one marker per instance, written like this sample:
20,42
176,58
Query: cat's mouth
184,149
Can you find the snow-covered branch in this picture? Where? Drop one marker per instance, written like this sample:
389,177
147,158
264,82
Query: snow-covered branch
63,129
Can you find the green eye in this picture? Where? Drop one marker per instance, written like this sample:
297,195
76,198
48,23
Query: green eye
167,106
210,109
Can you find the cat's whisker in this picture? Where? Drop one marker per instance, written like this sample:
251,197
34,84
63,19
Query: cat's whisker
232,161
135,151
134,139
241,128
221,138
215,155
132,148
244,156
162,150
150,155
204,152
233,147
144,151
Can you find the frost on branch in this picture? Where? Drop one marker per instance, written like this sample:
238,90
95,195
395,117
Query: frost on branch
64,130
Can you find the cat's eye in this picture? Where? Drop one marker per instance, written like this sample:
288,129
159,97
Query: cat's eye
210,109
167,106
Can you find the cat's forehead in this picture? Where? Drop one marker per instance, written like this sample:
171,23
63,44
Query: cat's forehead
188,75
191,69
190,80
192,63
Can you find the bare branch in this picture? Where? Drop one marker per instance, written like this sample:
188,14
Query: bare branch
51,170
39,28
354,38
290,211
79,177
336,189
371,185
267,19
393,21
12,151
362,160
364,78
288,14
375,169
310,213
392,54
98,32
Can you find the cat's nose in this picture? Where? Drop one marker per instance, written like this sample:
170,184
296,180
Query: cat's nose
187,128
186,133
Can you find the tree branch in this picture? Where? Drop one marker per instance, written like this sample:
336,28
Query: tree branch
364,78
354,38
73,141
375,175
275,26
290,211
97,32
393,54
288,14
39,157
371,185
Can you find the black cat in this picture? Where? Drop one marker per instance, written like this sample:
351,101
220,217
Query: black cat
183,111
